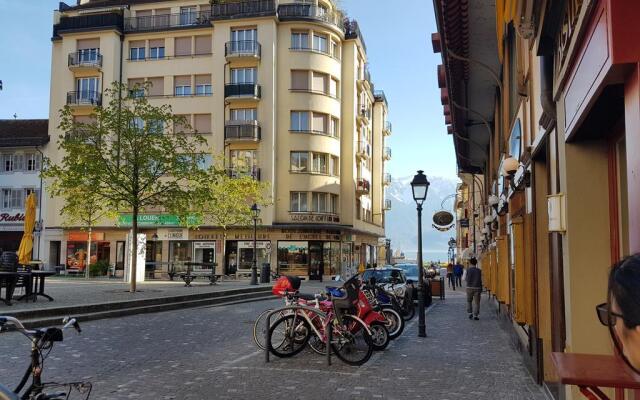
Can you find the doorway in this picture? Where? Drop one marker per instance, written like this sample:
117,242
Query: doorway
316,261
55,248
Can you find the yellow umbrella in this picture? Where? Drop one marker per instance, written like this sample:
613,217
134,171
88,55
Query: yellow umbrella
26,244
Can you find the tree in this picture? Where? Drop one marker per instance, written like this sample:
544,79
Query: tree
226,201
136,157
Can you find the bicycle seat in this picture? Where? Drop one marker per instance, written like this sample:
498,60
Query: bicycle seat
6,394
336,292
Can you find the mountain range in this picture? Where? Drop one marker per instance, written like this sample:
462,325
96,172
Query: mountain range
401,220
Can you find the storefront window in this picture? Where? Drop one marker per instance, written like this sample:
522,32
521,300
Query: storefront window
331,258
245,249
347,259
204,252
293,258
180,251
77,253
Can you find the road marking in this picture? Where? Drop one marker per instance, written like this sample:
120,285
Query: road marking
227,364
310,371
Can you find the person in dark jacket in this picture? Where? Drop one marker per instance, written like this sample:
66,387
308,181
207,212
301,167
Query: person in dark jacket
474,289
458,271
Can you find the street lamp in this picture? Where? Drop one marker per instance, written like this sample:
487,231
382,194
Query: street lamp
420,186
254,269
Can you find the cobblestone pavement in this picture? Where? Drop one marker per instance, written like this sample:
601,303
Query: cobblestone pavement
208,353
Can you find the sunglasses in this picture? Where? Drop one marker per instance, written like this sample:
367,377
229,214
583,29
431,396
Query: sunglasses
606,316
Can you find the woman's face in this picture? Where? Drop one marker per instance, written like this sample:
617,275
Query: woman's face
629,338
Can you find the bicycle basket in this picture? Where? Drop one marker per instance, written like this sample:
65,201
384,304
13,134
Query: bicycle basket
285,284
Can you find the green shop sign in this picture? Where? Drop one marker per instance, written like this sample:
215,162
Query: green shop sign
155,220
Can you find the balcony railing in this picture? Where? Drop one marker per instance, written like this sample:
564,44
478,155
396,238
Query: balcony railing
386,179
365,113
352,31
84,98
243,9
310,12
242,48
363,186
387,128
89,22
379,95
166,21
242,130
364,150
243,90
387,153
235,172
85,59
387,205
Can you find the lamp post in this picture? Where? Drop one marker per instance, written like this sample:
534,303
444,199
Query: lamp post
254,269
419,187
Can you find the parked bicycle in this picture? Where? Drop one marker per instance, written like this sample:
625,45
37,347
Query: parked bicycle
42,341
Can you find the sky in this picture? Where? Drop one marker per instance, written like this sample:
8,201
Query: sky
401,60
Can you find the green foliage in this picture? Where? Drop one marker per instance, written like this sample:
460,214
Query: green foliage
99,268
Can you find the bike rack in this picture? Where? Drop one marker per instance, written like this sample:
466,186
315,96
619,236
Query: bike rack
321,314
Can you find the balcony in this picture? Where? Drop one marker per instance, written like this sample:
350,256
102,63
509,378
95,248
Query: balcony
243,91
363,186
386,154
242,49
85,61
379,95
364,79
386,130
90,22
387,205
364,150
386,179
167,21
243,9
237,172
309,12
85,98
365,114
242,131
352,31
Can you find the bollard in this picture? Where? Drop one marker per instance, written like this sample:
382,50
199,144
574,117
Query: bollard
329,339
267,343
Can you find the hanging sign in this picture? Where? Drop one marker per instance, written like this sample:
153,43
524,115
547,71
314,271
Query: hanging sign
443,218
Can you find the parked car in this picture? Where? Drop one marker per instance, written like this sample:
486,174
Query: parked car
411,273
389,277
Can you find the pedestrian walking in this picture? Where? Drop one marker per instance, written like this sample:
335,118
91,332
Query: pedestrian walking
621,312
474,289
458,271
450,278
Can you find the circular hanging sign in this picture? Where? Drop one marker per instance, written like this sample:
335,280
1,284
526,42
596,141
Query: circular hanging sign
443,218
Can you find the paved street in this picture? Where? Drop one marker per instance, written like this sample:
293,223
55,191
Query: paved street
208,353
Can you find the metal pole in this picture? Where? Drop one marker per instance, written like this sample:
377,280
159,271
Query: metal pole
421,292
473,210
39,206
254,269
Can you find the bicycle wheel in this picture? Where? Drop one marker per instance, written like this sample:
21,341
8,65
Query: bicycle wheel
260,328
317,345
289,335
409,309
379,335
395,323
351,342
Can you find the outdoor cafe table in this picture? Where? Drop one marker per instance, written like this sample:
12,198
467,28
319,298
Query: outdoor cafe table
590,372
38,278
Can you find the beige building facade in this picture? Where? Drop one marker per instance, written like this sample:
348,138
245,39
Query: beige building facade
280,88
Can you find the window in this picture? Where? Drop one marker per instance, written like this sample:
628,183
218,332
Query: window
182,85
335,127
156,86
156,126
137,123
319,82
299,202
203,85
319,164
137,50
156,49
182,46
243,75
12,198
299,80
244,35
32,161
203,45
300,121
299,161
334,166
88,55
136,88
244,114
319,202
205,161
299,40
87,89
333,87
183,126
13,162
320,43
202,123
319,123
334,204
335,49
188,15
244,161
28,191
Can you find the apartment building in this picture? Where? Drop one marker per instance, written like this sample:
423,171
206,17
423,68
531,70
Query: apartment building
281,88
541,99
21,144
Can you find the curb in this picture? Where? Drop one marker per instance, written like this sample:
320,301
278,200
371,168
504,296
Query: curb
54,316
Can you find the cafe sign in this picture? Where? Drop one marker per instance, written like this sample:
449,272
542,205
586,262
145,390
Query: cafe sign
11,218
315,218
155,220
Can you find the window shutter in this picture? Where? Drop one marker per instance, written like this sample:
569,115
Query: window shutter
203,44
319,122
136,43
183,46
319,82
156,43
182,80
202,123
300,80
88,44
143,13
333,87
203,79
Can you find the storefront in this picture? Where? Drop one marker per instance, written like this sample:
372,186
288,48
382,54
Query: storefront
315,259
239,254
76,249
11,230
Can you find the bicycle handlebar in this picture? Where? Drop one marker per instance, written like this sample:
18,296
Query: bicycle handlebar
67,321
